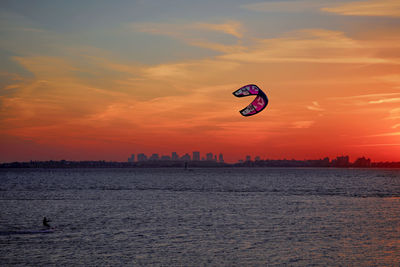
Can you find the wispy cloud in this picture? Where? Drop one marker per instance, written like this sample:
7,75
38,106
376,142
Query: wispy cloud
11,76
226,49
393,78
194,34
286,6
369,99
394,114
230,27
315,106
189,71
34,30
311,46
385,134
386,100
174,30
306,45
367,96
376,145
302,124
388,8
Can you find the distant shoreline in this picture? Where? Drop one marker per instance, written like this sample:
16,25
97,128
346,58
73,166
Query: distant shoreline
63,164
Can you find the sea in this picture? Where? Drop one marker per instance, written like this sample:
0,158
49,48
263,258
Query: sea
200,217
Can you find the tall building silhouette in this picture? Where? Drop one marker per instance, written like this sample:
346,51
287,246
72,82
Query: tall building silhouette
196,156
209,156
174,156
221,158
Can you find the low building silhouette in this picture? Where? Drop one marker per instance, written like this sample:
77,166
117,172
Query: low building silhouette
141,157
362,163
131,158
221,158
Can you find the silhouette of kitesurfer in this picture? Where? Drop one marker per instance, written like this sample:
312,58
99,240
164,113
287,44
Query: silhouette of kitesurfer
46,222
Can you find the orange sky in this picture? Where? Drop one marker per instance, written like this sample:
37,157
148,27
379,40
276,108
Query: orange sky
155,85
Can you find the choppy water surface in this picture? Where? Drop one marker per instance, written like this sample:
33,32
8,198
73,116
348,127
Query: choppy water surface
201,217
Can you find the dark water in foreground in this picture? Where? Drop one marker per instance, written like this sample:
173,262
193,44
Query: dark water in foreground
201,217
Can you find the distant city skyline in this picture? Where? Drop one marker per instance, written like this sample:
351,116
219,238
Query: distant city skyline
342,160
196,156
184,162
204,156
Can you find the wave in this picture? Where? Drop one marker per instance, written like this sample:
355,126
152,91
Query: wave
355,192
27,232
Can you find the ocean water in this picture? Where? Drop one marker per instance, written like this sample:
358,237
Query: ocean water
200,217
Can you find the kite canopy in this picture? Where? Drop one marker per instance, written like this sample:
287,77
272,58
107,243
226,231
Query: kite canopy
258,104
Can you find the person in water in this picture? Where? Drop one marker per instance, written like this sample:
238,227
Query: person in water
46,222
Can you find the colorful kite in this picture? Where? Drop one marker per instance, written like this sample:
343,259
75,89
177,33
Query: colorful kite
258,104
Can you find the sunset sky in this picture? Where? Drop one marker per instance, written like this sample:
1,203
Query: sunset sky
100,80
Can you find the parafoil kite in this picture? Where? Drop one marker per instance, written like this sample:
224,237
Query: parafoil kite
258,104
